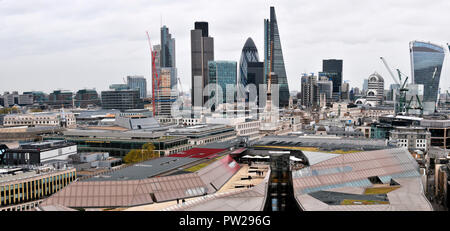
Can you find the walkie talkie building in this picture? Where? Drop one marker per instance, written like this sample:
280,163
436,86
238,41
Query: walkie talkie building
426,65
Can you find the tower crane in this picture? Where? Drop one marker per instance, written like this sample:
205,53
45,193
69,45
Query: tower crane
400,103
155,78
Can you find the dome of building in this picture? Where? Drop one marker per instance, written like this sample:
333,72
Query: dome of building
375,77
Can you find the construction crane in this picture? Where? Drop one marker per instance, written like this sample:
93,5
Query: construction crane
155,78
389,70
419,106
400,103
402,93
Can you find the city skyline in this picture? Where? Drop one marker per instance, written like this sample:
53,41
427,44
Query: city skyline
92,46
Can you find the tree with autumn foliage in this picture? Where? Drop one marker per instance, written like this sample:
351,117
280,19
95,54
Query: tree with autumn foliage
138,155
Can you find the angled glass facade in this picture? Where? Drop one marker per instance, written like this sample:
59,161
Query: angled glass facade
223,73
273,57
426,64
167,58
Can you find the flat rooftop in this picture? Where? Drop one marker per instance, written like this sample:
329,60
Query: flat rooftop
145,169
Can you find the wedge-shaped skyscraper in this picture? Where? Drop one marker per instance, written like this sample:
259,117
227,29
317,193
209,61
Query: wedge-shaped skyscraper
273,57
426,64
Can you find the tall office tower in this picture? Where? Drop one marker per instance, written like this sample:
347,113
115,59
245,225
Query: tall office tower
255,75
249,54
310,91
375,90
325,88
426,64
167,92
223,73
273,57
202,51
334,69
138,83
157,50
167,57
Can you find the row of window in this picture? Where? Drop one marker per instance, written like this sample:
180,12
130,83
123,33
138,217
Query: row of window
33,190
248,125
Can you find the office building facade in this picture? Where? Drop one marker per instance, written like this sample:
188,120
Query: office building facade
325,90
167,55
202,51
309,91
166,92
375,89
223,75
121,100
333,69
25,190
86,97
60,99
138,83
255,76
273,57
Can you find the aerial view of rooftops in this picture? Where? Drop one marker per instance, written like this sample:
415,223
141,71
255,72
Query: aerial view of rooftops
116,106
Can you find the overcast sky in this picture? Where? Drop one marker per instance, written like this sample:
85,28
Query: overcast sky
54,44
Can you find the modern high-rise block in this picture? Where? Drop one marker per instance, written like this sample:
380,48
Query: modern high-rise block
138,83
375,91
309,91
224,75
273,57
333,68
426,64
255,75
325,90
167,48
167,92
202,51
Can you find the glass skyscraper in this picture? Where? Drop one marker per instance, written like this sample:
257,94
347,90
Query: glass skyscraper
138,83
249,54
167,58
202,51
333,69
223,73
273,57
426,64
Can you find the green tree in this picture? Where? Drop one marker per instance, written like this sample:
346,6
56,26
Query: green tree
137,155
36,110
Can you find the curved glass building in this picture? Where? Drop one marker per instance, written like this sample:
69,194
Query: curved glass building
249,54
426,65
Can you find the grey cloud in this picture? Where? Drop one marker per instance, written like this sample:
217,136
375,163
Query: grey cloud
81,43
